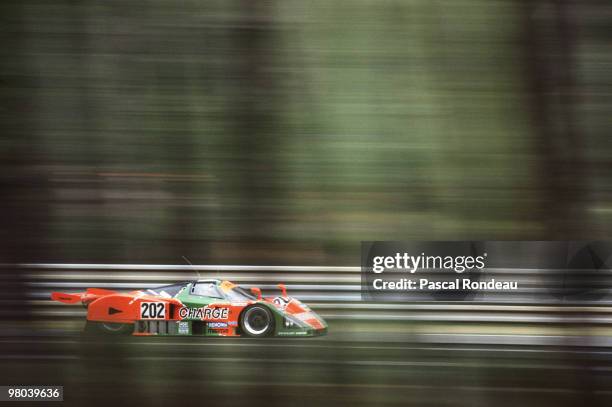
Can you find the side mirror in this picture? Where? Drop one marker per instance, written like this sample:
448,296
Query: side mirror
257,292
283,289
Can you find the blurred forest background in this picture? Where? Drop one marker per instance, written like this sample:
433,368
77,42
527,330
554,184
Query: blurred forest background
285,132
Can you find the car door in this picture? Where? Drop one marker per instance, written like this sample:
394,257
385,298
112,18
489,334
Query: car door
207,309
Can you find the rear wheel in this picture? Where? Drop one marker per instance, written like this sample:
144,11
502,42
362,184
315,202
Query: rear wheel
257,321
108,328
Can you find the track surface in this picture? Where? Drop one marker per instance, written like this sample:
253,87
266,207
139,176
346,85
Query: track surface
319,371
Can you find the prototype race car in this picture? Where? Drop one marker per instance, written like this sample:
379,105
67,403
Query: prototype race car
204,307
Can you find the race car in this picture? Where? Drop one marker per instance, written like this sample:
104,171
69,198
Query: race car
199,308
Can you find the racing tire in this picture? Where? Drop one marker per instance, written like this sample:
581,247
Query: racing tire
107,328
257,321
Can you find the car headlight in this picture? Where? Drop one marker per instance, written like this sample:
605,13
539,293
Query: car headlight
292,322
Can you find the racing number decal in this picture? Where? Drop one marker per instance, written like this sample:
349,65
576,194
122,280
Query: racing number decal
152,310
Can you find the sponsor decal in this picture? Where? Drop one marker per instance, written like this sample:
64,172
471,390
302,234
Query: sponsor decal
203,313
183,328
232,323
292,333
217,332
153,310
216,325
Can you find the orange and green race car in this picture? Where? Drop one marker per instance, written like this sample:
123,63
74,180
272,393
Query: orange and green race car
203,307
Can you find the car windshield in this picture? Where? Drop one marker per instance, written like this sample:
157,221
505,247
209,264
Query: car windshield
169,291
206,289
234,293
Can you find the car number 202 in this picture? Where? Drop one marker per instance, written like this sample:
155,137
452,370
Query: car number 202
152,310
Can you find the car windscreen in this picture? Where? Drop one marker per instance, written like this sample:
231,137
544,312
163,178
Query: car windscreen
166,290
206,289
238,294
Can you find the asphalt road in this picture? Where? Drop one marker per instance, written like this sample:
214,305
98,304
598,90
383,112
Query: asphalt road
317,371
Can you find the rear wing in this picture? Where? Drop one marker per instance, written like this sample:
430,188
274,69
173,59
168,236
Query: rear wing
66,298
88,296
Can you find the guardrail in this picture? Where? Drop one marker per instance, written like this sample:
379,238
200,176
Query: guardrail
334,292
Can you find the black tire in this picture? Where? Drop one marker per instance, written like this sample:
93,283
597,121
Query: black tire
257,321
107,328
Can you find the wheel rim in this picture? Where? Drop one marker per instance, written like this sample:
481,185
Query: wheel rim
110,326
256,321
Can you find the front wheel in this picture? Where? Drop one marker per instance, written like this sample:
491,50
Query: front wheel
257,321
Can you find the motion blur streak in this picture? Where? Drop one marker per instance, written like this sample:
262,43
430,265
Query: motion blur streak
541,348
285,132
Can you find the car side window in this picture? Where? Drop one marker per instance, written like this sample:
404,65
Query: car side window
168,291
206,290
